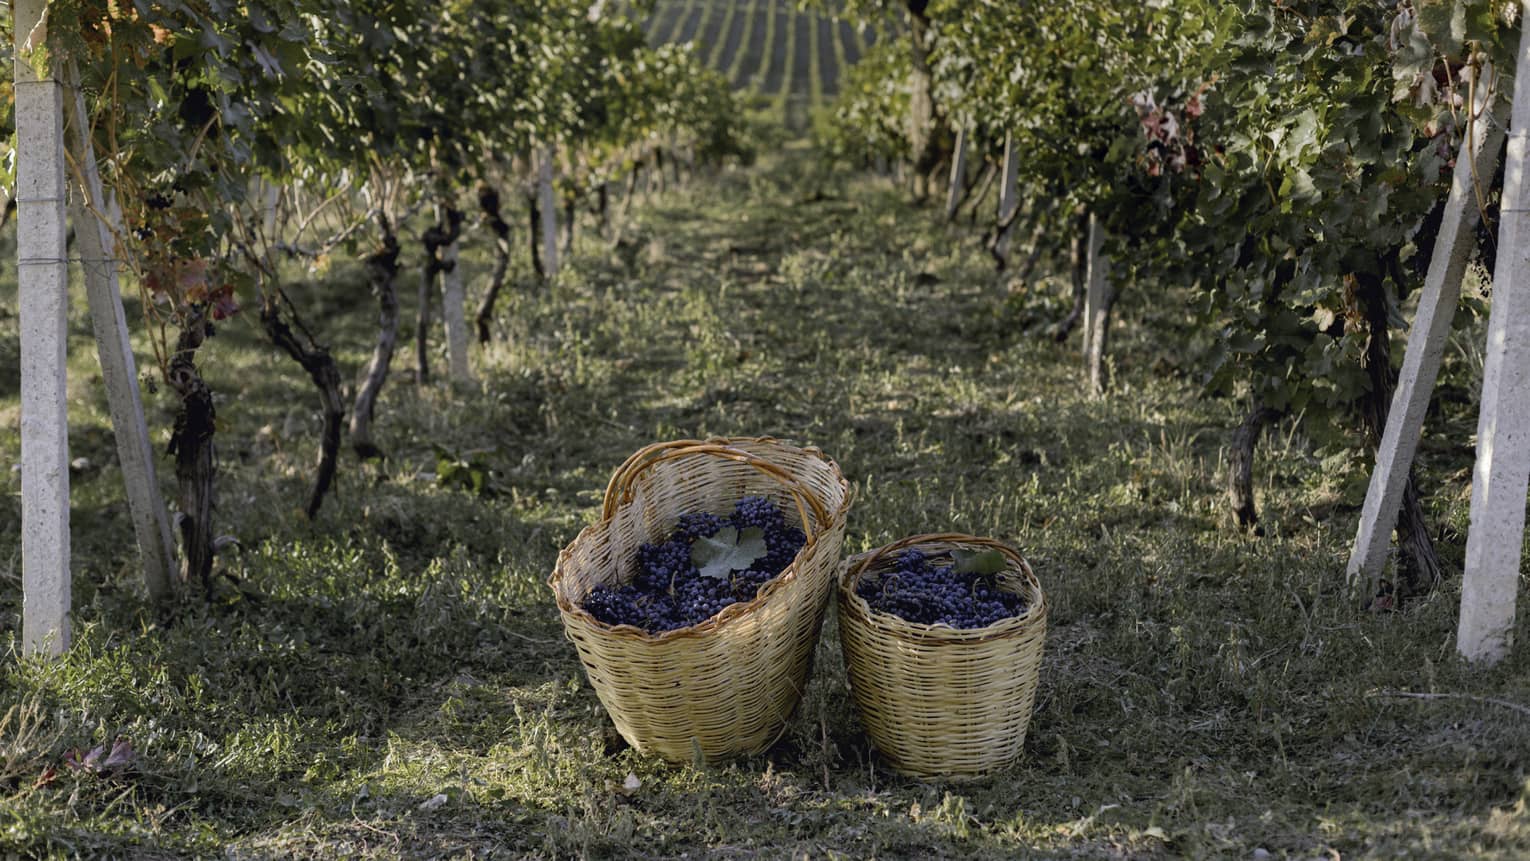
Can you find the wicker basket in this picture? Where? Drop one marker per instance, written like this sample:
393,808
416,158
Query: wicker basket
940,701
726,686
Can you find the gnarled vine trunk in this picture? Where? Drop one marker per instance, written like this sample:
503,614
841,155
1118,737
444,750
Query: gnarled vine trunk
435,238
631,192
1240,465
658,172
191,443
382,272
929,139
1037,248
990,173
320,365
998,238
534,212
488,201
603,208
1080,278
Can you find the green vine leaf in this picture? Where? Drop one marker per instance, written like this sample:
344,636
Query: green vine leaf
728,551
987,562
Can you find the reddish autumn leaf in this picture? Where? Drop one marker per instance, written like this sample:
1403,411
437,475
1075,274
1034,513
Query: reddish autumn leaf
224,304
191,278
89,761
98,760
122,755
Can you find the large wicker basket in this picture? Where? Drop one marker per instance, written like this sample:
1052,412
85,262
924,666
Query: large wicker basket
940,701
727,686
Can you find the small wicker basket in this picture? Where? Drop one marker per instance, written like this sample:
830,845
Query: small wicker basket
940,701
727,686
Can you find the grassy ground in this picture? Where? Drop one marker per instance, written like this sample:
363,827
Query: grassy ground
391,680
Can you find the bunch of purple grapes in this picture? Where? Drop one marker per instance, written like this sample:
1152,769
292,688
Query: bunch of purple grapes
920,592
669,592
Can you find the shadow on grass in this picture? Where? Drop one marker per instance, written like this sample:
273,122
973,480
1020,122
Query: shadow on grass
1202,694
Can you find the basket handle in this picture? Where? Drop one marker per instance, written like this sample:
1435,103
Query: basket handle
1007,549
620,489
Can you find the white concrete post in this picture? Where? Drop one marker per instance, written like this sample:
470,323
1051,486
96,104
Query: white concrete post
958,174
1009,195
43,287
1475,163
119,370
549,207
114,212
1097,302
268,219
453,299
1503,427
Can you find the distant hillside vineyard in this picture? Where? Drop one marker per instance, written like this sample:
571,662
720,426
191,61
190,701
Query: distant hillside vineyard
765,46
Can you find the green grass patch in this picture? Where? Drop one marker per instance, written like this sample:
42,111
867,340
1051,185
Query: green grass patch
391,680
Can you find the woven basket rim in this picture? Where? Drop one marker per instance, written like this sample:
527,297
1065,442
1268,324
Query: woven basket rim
729,613
620,488
854,568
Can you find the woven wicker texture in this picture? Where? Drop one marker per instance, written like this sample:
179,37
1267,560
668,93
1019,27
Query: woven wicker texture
727,686
939,701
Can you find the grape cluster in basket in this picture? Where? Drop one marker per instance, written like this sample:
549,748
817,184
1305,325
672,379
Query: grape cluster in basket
707,563
960,594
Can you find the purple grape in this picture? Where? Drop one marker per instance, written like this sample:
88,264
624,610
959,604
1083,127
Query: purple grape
700,525
917,591
669,593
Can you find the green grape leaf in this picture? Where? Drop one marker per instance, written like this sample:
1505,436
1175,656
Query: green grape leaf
978,562
728,551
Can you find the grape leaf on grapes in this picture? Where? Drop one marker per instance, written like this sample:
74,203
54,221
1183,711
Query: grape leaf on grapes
727,551
978,562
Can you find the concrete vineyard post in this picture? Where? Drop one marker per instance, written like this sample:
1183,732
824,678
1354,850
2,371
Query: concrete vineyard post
1503,427
43,294
958,174
454,313
114,212
1009,196
1478,157
1097,302
549,207
273,195
119,370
